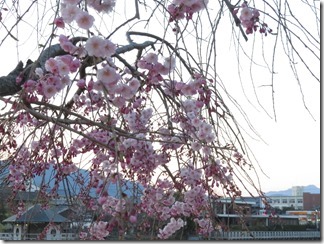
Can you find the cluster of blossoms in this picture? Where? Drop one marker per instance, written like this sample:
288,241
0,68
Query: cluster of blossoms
250,19
140,157
190,176
160,201
138,121
99,47
111,205
173,226
221,175
157,200
197,127
56,77
84,144
99,230
70,12
109,81
205,226
156,68
62,65
169,140
180,9
69,47
196,199
180,209
191,88
21,170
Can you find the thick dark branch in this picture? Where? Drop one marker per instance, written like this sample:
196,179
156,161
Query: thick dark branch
11,83
8,84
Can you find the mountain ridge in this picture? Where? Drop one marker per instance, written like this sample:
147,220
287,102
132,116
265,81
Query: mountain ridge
309,188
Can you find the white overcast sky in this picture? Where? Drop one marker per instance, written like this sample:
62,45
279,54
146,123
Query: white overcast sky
291,156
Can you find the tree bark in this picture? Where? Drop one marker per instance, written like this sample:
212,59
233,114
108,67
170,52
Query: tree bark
8,84
12,83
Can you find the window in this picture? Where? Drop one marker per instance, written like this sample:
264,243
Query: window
53,232
299,200
284,200
276,201
292,201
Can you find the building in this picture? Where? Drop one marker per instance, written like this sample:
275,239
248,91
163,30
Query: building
307,217
297,191
37,221
312,201
281,202
246,212
296,198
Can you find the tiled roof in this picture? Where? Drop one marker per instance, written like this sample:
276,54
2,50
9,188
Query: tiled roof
36,214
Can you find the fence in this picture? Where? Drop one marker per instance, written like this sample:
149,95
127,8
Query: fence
230,235
271,235
61,236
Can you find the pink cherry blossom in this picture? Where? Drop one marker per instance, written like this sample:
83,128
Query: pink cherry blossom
109,48
125,91
99,47
205,226
132,219
246,14
173,226
65,80
108,75
74,65
63,68
102,5
134,84
196,146
81,83
67,45
94,46
51,65
39,72
29,86
151,58
99,230
59,22
119,101
69,12
169,63
67,59
49,90
199,5
84,20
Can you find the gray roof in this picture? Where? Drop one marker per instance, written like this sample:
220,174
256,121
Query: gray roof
36,214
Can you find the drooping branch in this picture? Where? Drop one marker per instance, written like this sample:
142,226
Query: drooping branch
236,19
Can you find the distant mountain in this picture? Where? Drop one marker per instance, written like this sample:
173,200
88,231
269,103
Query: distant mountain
77,182
310,188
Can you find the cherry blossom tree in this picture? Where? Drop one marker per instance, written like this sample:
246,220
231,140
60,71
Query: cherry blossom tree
130,91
